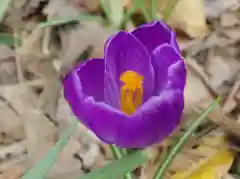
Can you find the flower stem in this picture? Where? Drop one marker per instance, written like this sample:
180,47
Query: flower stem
176,148
118,153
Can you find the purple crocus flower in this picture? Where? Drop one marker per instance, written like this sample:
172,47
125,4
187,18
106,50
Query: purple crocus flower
134,96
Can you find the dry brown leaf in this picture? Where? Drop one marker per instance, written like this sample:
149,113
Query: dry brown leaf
91,5
195,90
229,19
220,68
25,103
13,173
61,9
49,97
12,155
77,40
214,8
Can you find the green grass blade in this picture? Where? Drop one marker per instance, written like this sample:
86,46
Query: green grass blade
40,170
118,168
169,9
117,12
118,154
68,20
8,39
176,148
3,6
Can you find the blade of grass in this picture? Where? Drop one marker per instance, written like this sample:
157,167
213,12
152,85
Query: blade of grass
169,9
3,6
118,154
154,9
8,39
40,170
118,168
116,11
69,20
177,147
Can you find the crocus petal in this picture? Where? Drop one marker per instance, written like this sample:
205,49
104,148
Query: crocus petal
154,121
177,76
124,52
164,57
83,81
103,119
155,34
91,75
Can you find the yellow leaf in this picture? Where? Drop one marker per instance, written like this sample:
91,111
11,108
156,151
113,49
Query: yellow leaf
188,15
213,166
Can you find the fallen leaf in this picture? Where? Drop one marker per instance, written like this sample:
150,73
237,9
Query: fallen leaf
215,166
214,8
188,15
229,19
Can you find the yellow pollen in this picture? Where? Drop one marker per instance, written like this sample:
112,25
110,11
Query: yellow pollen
131,91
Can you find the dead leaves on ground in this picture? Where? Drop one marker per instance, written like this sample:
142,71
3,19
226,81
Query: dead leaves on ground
30,90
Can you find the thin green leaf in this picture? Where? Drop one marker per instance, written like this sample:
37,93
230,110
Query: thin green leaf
40,170
3,6
118,168
169,9
177,147
69,20
117,11
154,9
105,8
118,154
8,39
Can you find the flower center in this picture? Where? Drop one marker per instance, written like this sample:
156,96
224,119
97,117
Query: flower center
131,91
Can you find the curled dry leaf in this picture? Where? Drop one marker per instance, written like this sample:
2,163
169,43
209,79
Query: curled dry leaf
25,104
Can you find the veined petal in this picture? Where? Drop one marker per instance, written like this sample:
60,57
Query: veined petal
91,75
153,121
155,34
167,68
124,52
83,81
177,75
104,120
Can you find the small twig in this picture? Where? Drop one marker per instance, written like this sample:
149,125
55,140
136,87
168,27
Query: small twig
20,76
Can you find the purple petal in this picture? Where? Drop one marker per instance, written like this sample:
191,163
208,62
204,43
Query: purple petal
177,76
85,80
166,69
124,52
155,34
91,75
154,121
103,119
